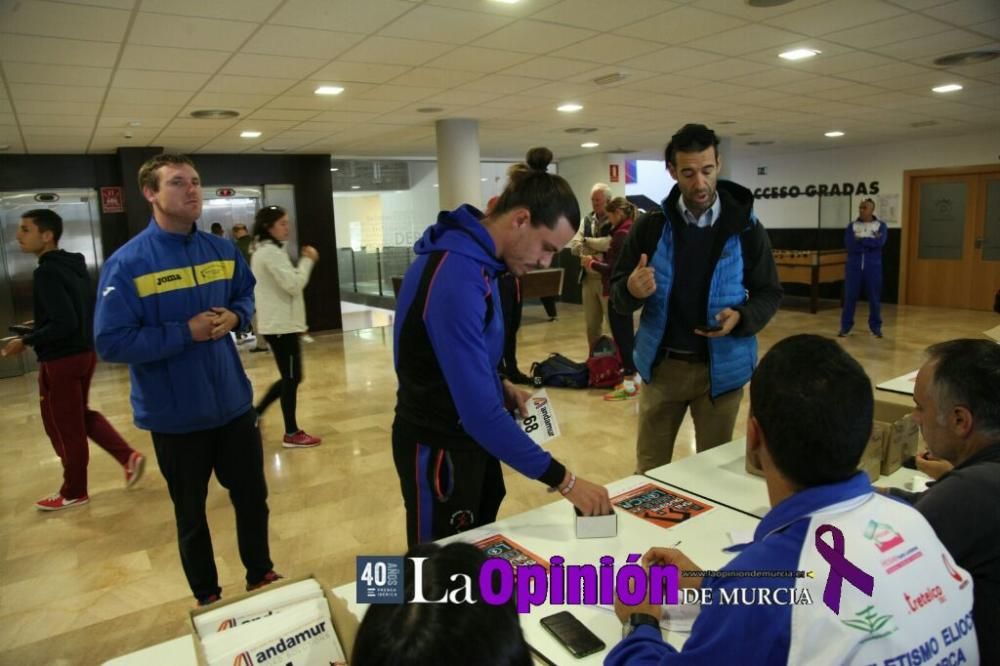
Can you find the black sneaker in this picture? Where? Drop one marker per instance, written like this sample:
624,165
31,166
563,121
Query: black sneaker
268,578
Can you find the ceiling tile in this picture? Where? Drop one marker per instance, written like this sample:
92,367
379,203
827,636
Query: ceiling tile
835,16
462,97
673,59
501,83
57,51
131,109
745,11
282,114
56,19
437,24
148,122
57,120
213,100
34,107
896,29
138,78
966,12
925,48
352,15
749,38
300,42
434,78
189,32
550,68
391,93
732,68
846,62
883,72
159,96
681,25
242,10
595,13
393,51
356,72
34,91
259,85
164,58
252,64
476,59
535,37
57,74
607,48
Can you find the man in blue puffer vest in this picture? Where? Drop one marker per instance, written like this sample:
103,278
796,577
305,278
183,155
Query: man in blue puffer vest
167,301
702,271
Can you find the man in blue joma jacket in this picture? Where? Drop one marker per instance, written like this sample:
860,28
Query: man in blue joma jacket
702,271
883,590
864,239
167,301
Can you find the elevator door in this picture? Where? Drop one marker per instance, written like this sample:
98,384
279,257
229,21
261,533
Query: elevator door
232,205
81,233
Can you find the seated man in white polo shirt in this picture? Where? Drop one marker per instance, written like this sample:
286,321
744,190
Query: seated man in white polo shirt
883,587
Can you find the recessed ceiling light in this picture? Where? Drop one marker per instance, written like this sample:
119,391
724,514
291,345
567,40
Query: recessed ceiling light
328,90
214,114
569,108
5,146
580,130
134,123
798,54
482,180
947,88
834,134
355,187
435,184
334,169
608,79
589,144
249,134
507,2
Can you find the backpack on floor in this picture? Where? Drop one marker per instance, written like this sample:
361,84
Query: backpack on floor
604,365
557,370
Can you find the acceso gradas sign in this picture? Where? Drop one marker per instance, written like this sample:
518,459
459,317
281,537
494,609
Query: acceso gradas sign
816,190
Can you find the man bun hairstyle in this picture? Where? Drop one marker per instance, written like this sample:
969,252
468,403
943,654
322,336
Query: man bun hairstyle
692,138
814,404
547,196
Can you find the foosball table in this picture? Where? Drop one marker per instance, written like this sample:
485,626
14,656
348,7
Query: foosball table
811,267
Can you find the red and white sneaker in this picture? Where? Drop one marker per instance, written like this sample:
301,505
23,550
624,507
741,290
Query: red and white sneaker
57,502
300,440
134,468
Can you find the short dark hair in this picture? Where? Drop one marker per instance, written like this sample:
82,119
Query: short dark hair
46,219
814,403
547,196
147,172
967,373
411,634
264,220
216,226
692,138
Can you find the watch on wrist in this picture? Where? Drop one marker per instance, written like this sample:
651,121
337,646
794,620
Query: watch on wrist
638,620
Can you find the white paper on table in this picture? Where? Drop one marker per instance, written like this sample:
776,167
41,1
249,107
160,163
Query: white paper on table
303,634
738,537
918,484
904,384
265,603
540,424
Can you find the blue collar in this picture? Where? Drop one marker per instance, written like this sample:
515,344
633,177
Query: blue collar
810,500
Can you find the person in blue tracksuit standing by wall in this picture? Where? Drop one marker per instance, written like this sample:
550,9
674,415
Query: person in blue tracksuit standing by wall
864,239
166,303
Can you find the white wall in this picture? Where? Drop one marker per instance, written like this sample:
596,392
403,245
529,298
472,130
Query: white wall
652,179
884,163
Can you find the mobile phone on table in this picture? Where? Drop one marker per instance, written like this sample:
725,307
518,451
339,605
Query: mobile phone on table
572,633
712,327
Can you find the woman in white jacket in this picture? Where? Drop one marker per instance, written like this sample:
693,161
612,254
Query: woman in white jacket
281,313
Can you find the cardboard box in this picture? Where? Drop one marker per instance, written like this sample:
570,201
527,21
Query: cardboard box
596,527
338,614
871,457
902,442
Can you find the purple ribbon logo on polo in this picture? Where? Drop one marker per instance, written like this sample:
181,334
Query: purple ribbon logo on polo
840,568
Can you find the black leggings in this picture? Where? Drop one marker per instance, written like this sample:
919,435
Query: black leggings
622,328
288,355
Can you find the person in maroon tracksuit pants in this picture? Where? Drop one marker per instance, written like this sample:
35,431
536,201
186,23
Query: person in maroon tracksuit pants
62,337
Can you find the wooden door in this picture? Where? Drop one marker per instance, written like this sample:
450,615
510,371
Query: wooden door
953,251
